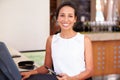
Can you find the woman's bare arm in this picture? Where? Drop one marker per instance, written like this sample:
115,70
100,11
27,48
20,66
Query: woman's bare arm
88,61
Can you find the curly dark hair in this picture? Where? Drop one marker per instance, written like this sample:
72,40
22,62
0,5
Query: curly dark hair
67,3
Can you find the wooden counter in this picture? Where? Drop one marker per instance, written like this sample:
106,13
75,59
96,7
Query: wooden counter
103,36
106,53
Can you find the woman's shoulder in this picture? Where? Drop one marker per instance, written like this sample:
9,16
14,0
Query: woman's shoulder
79,35
87,38
52,36
49,39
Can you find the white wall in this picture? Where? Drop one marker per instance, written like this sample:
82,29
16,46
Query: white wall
24,24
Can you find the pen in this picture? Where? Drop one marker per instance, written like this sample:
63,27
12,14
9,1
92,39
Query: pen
51,71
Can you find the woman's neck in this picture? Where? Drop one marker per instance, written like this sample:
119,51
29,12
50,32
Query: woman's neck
67,34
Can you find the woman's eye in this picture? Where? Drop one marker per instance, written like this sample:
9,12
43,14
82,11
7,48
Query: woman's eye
61,15
70,16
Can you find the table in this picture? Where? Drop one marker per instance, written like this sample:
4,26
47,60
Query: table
20,57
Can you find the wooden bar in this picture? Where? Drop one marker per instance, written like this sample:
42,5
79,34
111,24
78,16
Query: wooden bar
106,53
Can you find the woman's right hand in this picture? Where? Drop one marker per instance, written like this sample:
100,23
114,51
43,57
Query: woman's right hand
25,75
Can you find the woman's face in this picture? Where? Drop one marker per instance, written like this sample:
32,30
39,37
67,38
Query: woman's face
66,18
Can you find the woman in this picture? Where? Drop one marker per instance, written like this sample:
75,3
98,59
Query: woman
68,51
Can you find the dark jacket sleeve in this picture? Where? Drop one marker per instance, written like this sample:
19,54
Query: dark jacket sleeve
7,65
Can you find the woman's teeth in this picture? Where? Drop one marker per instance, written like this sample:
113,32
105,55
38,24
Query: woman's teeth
65,25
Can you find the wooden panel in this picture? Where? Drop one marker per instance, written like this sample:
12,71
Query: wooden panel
106,56
97,55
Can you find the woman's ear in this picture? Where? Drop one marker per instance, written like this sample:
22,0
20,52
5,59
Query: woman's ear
75,19
57,23
57,20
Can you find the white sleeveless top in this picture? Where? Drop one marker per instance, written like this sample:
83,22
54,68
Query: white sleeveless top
68,54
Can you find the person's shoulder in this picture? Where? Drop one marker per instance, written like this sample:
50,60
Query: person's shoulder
87,38
50,37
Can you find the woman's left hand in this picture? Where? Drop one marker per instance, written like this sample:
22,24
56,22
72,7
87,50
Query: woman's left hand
64,76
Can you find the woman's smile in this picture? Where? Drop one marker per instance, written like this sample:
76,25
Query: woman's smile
66,17
65,25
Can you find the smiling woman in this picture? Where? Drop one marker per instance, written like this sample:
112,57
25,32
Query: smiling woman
64,48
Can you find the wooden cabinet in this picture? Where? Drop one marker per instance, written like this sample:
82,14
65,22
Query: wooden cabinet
106,56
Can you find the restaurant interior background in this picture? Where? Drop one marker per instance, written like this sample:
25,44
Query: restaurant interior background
100,20
96,15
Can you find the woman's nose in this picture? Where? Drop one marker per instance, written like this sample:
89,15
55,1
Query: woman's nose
66,19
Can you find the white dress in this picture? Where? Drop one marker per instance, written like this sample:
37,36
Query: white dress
68,54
